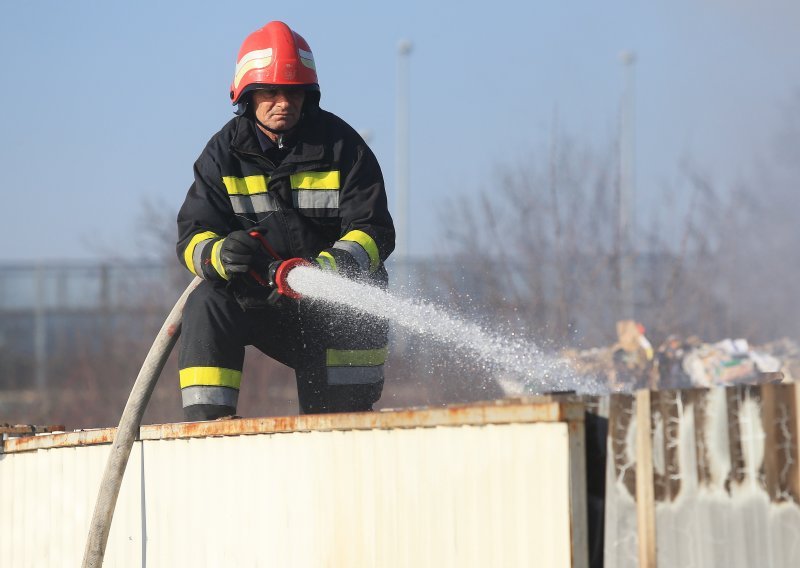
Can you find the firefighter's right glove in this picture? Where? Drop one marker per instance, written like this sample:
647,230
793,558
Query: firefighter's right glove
340,262
239,252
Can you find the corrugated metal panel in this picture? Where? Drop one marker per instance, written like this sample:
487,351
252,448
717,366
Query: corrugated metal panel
451,495
46,501
446,496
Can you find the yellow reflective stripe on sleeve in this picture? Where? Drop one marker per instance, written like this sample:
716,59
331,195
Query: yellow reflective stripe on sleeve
248,185
326,258
216,261
210,377
368,244
355,357
315,180
188,252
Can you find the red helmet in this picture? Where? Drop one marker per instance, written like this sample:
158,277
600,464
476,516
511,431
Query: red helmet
274,55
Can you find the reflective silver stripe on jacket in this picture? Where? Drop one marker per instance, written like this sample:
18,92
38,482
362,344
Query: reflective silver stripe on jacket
258,203
316,199
197,256
355,375
220,396
356,251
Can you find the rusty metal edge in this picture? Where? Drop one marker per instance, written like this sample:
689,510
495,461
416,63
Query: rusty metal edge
499,412
30,429
60,440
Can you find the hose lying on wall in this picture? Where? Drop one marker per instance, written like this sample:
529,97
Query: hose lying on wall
128,431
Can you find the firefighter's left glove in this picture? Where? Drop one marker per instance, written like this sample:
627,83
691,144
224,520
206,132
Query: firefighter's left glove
239,252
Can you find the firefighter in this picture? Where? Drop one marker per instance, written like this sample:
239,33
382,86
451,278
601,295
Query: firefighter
311,187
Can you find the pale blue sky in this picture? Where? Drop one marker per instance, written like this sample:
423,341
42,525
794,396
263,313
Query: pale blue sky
105,104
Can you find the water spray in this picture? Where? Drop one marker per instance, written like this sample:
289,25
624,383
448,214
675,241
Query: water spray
524,363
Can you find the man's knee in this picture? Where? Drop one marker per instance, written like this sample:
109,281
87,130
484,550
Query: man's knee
346,380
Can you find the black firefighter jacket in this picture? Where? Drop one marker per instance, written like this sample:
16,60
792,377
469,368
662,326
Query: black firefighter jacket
326,194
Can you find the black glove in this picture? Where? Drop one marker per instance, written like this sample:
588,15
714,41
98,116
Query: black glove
239,251
339,261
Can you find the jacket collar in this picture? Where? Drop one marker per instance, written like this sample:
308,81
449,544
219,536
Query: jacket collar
307,146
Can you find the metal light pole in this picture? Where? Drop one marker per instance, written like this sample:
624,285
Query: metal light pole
404,48
40,340
627,191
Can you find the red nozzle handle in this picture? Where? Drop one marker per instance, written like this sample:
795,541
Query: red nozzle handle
283,272
264,243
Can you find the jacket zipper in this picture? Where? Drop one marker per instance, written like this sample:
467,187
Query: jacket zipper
263,160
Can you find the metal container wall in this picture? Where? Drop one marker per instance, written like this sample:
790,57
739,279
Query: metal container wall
481,486
46,500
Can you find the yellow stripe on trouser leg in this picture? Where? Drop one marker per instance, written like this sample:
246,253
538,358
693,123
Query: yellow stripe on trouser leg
210,377
214,386
355,357
368,244
355,366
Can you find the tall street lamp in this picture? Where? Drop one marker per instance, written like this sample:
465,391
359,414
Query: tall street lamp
404,48
627,192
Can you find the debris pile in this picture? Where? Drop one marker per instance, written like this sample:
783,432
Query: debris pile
684,362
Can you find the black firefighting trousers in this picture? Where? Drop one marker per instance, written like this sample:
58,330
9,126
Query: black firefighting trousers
337,355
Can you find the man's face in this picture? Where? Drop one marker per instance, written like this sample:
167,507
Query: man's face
278,108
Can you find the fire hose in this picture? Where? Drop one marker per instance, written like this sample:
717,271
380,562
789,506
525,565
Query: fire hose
128,429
